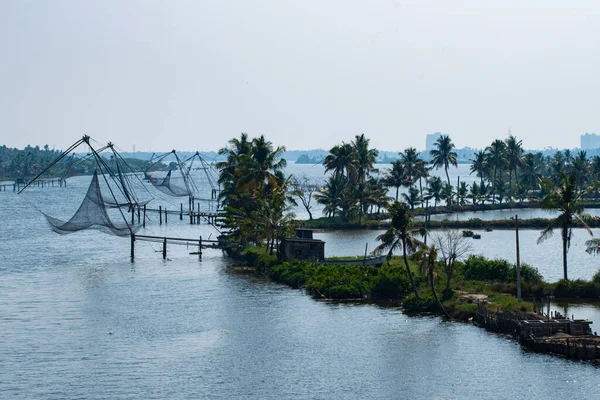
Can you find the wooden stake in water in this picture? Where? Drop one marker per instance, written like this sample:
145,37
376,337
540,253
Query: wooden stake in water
518,259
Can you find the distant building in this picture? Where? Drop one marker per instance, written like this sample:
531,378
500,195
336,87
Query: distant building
590,141
430,140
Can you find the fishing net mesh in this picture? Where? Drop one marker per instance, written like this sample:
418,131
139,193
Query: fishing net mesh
91,214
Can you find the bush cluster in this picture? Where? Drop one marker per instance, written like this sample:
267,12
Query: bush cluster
481,269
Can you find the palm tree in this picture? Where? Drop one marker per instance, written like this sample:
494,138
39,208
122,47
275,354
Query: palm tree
580,167
395,177
442,155
400,233
263,164
412,198
566,200
434,190
427,257
496,158
479,165
365,158
448,194
514,153
595,167
332,195
235,152
461,194
340,160
530,176
422,173
410,160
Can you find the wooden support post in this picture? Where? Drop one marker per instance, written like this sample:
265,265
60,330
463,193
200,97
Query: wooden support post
144,223
518,259
132,215
132,247
200,248
164,248
166,213
160,215
139,211
180,211
191,218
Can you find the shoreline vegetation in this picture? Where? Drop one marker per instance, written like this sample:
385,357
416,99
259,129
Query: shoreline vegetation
476,280
434,278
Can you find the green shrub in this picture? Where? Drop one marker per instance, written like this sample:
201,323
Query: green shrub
596,277
391,282
577,288
481,269
426,302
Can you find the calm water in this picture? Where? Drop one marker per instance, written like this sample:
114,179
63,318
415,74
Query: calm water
80,321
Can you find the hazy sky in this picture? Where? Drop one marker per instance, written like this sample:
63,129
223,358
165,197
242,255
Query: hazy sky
190,75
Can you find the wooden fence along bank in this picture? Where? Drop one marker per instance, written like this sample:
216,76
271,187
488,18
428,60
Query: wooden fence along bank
555,334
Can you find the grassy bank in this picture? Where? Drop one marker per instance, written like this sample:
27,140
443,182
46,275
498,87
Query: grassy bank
472,223
477,279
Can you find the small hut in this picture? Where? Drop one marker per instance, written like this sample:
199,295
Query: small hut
302,247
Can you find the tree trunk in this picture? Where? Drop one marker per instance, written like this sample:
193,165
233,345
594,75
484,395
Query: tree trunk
410,275
397,189
447,176
564,240
437,299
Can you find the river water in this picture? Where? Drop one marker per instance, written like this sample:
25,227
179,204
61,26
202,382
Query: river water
80,321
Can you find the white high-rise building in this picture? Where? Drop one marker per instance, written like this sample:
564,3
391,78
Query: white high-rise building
430,140
590,141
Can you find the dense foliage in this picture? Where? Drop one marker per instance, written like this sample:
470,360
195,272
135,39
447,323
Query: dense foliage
255,193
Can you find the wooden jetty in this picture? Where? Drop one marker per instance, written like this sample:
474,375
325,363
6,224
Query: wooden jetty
195,217
199,243
20,183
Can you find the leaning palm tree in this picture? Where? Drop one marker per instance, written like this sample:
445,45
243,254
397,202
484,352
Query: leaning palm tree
565,199
427,257
442,155
400,233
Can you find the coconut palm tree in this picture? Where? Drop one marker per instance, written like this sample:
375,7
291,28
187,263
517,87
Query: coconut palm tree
412,198
400,233
580,167
422,173
332,195
514,154
395,177
496,157
434,190
442,155
410,160
427,256
479,165
340,160
566,200
530,175
364,157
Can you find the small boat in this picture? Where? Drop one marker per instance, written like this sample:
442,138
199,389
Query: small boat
377,261
476,236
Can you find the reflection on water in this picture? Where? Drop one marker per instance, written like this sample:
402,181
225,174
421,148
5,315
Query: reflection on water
546,256
80,321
